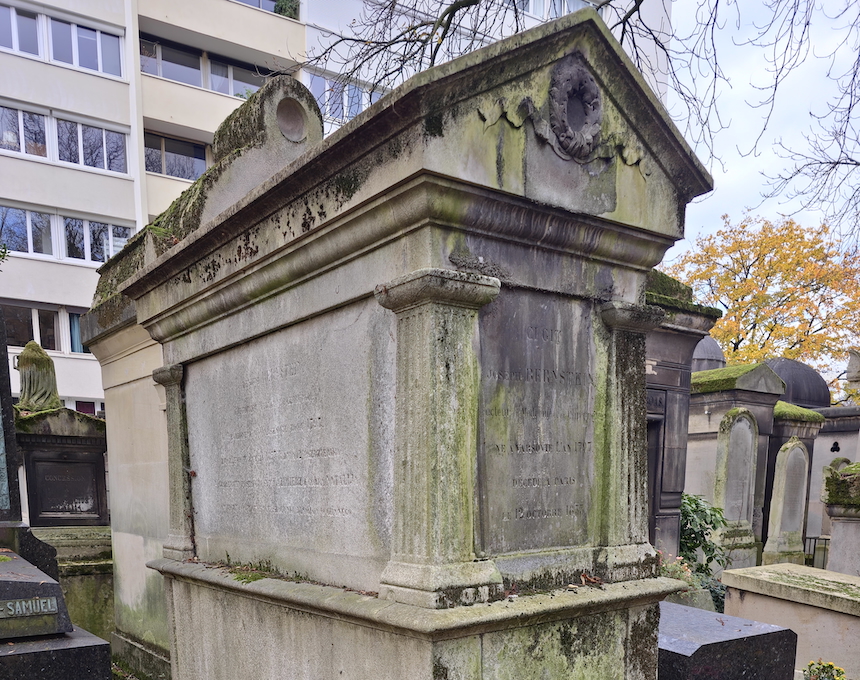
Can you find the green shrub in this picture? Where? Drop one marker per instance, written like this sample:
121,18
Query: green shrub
287,8
699,521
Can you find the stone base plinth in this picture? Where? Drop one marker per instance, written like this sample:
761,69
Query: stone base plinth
844,539
78,655
783,557
821,606
258,629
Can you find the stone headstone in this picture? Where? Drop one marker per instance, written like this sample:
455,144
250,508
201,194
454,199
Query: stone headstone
699,645
734,482
788,505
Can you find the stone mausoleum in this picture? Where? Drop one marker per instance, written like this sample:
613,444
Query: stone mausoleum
398,377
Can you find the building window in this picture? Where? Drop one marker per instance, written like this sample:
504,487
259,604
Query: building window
37,232
94,147
173,157
550,9
22,131
26,231
79,143
193,67
85,47
93,241
88,407
268,5
77,346
19,30
286,8
24,324
173,63
236,80
338,103
88,48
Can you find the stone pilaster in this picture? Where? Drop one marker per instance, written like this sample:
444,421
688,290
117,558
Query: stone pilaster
626,436
180,539
433,560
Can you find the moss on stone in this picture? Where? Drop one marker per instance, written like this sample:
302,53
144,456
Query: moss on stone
664,285
242,128
852,469
671,303
719,379
120,268
841,489
785,411
40,422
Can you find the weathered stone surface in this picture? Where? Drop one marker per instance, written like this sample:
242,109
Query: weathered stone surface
536,444
311,628
700,645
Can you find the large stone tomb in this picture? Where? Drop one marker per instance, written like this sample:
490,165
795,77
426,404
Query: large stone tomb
731,420
404,373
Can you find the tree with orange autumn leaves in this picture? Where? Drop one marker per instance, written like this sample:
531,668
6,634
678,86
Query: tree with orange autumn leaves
785,291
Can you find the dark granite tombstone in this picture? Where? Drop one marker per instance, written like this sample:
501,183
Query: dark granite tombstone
696,644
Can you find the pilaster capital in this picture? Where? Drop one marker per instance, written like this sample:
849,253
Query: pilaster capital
168,375
624,316
445,286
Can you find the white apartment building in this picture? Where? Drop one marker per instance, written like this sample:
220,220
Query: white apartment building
106,113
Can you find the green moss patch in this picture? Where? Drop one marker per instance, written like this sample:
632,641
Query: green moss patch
719,379
785,411
664,285
671,303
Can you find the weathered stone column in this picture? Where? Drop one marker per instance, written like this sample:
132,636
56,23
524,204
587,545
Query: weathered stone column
433,557
625,426
180,538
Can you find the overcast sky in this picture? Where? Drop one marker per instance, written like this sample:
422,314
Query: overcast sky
739,182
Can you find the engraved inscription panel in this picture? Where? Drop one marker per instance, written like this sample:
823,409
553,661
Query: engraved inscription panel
536,434
739,472
34,606
290,438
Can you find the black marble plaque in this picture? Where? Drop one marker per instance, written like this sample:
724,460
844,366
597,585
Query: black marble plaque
66,486
536,429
